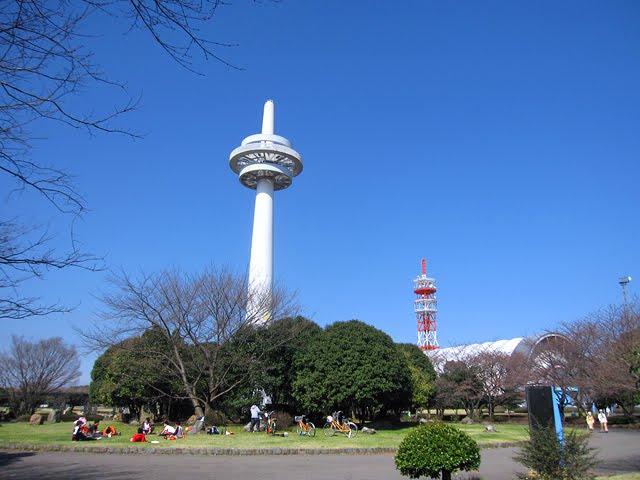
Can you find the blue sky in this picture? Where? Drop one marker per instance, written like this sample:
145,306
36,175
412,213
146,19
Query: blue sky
498,139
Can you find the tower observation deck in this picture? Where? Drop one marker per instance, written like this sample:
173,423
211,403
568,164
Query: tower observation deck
426,307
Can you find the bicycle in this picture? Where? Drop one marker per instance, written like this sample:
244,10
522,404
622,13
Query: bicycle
271,423
337,423
305,427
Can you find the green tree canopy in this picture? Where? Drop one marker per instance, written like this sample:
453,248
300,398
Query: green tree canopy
123,378
423,375
351,366
276,373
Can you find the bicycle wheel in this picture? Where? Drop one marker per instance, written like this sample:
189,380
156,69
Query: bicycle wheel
329,430
353,429
311,429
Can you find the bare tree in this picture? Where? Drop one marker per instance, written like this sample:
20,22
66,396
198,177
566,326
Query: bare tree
604,361
459,385
43,64
208,340
29,371
498,374
549,363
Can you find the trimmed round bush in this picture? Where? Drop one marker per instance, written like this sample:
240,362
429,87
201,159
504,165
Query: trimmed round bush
436,448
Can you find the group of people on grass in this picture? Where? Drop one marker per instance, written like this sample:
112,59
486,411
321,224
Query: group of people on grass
82,431
169,432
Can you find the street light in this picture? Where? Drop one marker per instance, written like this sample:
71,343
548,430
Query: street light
623,281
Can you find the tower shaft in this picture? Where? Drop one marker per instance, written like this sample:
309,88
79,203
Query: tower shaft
261,263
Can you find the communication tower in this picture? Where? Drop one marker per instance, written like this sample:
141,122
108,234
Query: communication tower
426,306
265,163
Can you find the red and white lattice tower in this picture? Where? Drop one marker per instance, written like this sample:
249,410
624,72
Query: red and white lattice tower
426,306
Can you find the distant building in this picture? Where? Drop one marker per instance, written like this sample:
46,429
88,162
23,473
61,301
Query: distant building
529,348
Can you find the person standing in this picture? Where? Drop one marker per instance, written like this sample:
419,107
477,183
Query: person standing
590,422
602,418
255,418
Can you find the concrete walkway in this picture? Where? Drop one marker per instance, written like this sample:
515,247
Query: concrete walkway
619,452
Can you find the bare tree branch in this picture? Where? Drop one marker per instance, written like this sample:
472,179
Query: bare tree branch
44,64
208,335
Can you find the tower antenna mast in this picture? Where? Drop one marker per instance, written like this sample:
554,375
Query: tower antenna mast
426,307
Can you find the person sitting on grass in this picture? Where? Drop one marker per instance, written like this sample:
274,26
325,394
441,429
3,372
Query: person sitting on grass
167,431
138,437
147,427
78,434
94,429
109,431
178,433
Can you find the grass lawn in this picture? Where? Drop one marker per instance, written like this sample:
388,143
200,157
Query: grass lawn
60,434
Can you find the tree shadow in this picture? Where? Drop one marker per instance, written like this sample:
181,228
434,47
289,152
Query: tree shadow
7,458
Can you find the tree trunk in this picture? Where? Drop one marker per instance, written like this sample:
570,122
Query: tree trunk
446,475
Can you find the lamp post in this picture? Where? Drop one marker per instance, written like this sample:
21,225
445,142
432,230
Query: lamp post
624,281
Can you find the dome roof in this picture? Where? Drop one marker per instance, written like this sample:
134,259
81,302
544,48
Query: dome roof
526,346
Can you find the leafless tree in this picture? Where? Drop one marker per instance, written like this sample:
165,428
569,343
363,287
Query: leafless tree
44,63
29,371
604,361
459,385
549,363
498,373
207,339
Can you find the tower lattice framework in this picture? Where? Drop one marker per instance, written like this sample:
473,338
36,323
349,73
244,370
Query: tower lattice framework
426,307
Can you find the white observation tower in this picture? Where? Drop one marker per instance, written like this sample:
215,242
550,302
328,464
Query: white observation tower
265,163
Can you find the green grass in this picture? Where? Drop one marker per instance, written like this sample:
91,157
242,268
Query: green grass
60,434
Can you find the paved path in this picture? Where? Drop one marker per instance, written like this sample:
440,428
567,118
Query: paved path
619,452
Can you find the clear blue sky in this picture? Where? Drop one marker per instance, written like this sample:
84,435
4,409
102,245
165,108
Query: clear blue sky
498,139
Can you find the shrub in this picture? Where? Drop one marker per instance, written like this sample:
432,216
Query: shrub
436,448
621,420
547,459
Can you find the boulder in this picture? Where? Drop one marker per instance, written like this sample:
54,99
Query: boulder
54,416
467,421
191,421
118,417
36,419
368,431
490,428
263,426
